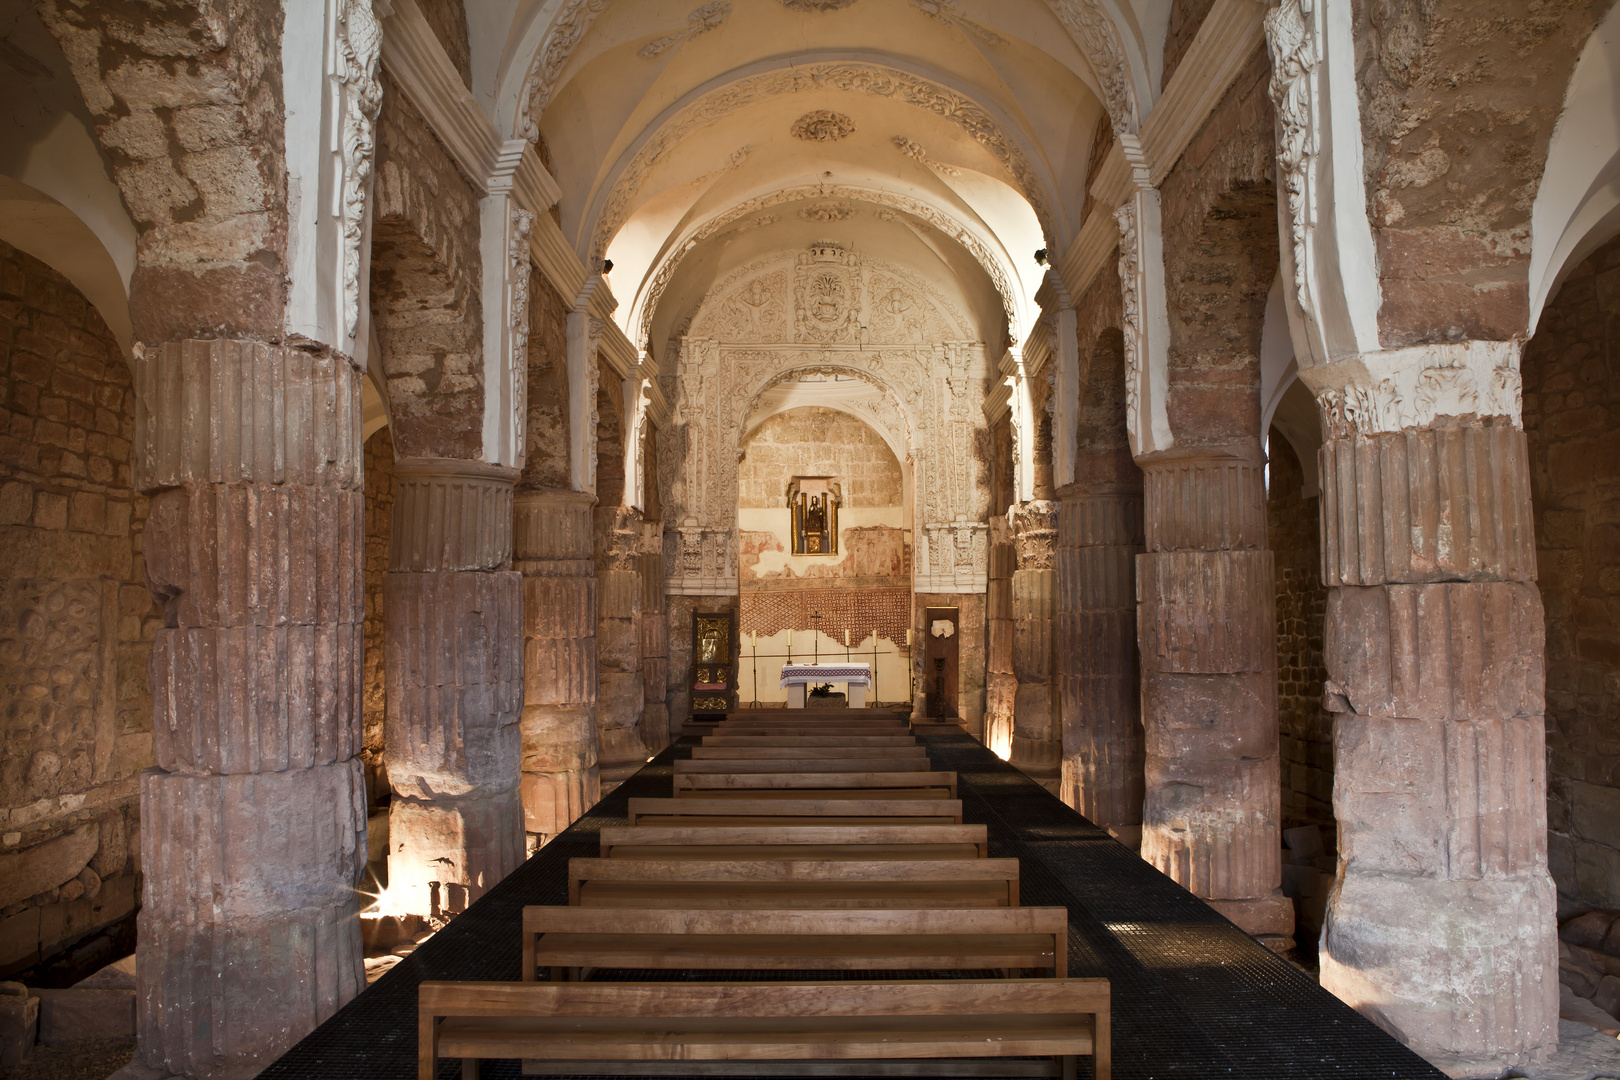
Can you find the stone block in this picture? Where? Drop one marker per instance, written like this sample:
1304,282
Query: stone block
1464,651
1213,826
1446,503
1582,1011
553,801
1207,718
1265,916
1441,797
1607,995
45,866
1207,612
450,515
19,1023
473,842
1590,929
19,938
1204,503
206,847
74,1015
1464,968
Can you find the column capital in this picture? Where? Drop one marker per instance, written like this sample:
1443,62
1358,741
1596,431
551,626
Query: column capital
451,514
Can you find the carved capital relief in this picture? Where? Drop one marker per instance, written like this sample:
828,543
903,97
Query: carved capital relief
1034,527
1145,322
1398,389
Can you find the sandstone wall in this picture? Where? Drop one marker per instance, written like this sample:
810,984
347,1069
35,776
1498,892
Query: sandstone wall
76,619
1293,532
448,20
547,463
1572,421
1186,16
379,473
425,279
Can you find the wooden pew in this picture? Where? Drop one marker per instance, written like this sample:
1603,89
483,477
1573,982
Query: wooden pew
802,741
731,752
574,940
828,785
870,763
764,1029
697,811
792,883
860,843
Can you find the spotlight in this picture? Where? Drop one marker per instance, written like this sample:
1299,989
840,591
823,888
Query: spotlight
607,266
1040,256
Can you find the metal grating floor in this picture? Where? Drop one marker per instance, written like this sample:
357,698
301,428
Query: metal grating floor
1193,996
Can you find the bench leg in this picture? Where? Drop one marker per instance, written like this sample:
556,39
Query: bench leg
1068,1067
469,1069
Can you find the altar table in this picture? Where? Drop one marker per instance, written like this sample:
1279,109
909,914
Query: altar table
855,677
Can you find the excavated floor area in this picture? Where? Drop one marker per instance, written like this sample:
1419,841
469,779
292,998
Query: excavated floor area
1193,996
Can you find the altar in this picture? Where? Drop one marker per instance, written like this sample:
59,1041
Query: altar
855,677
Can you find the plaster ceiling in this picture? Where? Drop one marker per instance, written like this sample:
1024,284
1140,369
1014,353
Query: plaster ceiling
962,134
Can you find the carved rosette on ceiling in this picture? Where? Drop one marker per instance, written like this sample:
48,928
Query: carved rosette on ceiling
823,125
827,213
815,5
701,21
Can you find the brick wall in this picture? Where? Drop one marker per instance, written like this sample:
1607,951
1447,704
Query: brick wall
1572,422
76,619
1293,534
379,466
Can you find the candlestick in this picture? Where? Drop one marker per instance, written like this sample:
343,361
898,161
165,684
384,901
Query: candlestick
846,637
908,638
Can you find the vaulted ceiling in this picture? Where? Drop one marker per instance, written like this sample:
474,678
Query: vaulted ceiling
950,136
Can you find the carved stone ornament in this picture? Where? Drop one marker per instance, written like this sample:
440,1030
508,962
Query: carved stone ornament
359,47
1091,28
701,21
565,34
916,152
1294,59
888,201
518,252
815,5
1131,313
823,125
1409,388
827,213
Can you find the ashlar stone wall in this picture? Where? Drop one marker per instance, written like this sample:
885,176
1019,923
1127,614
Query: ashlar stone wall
76,620
379,466
1572,422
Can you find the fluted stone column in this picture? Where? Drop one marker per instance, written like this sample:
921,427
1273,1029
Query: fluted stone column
1036,735
1206,625
1001,684
655,731
620,694
1442,925
253,823
452,640
1099,537
551,545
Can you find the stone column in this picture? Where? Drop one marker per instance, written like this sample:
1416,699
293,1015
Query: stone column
1442,924
1099,537
655,731
452,635
1036,736
551,544
1206,626
1001,685
253,824
620,693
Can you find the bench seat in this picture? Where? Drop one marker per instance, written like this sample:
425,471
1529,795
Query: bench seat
865,785
785,883
870,842
696,810
555,1026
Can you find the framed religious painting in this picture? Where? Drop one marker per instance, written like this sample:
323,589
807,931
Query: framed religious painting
714,662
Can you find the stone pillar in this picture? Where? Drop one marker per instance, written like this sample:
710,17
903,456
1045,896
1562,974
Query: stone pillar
1099,537
1206,626
1442,924
551,545
620,693
253,824
1036,736
655,731
1001,684
452,635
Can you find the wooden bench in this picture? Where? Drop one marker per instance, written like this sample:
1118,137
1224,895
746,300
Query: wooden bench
792,883
871,842
801,741
803,765
764,1029
574,940
851,785
731,752
867,727
728,812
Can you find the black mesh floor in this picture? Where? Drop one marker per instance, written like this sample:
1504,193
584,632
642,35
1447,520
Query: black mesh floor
1193,996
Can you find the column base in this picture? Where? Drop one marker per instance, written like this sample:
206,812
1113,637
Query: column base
1268,918
447,853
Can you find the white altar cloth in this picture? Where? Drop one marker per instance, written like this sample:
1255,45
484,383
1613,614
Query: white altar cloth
800,674
855,677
